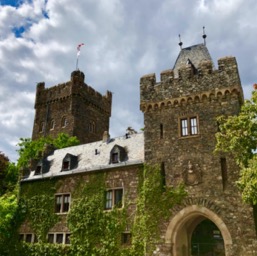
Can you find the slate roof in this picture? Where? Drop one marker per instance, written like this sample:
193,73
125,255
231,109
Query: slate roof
196,54
88,160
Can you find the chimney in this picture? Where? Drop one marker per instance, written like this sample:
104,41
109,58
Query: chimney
106,137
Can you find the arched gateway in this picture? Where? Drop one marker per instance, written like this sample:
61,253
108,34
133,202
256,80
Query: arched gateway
180,230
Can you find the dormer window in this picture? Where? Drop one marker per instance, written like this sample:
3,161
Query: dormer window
38,170
65,165
42,167
118,154
69,162
115,158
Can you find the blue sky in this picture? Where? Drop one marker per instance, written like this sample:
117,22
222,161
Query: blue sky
124,40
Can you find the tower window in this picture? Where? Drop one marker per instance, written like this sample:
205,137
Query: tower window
64,122
189,126
224,171
42,127
161,131
52,124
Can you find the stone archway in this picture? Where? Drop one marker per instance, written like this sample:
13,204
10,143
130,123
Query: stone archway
180,229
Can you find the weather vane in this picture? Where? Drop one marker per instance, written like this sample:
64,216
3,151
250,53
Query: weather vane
180,43
78,53
204,36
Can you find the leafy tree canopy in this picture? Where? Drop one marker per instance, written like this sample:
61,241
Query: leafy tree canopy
33,149
238,136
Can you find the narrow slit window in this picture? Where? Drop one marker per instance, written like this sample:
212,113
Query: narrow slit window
224,172
161,131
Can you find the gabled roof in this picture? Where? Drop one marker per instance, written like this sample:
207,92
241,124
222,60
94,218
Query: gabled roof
95,156
195,54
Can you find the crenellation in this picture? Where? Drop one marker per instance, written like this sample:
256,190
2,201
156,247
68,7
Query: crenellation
167,74
85,110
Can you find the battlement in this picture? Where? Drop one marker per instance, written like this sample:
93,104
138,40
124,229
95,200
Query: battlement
76,86
190,80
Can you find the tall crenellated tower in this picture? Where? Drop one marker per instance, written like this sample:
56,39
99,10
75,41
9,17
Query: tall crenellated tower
73,108
180,118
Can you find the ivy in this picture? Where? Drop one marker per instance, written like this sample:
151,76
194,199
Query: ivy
153,206
95,231
39,198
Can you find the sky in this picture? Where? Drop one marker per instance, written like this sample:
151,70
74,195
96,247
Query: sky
124,40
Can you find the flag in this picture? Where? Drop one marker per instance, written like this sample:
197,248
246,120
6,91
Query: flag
78,49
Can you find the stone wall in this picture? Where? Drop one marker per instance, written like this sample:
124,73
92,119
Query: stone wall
86,111
210,178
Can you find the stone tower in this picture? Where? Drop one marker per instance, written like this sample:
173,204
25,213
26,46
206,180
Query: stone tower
73,108
180,122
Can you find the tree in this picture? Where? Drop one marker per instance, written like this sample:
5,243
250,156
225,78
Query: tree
33,149
238,136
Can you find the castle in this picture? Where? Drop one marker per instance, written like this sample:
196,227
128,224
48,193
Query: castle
180,114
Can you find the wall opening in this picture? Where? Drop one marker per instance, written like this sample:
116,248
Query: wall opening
207,240
187,226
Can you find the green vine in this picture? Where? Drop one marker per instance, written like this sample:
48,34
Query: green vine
39,198
153,206
95,231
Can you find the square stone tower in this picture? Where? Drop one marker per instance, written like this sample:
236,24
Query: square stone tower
180,118
73,108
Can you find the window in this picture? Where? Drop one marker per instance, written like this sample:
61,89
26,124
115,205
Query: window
161,131
58,238
62,203
188,126
42,127
115,158
224,171
52,124
69,162
118,154
64,122
65,165
38,170
113,198
126,238
28,238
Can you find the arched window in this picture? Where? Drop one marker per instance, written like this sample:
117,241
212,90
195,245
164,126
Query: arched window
64,121
41,126
52,124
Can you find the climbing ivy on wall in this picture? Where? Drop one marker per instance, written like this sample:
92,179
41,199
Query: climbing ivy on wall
39,200
153,206
95,231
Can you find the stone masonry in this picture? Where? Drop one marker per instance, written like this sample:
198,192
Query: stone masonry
73,108
203,93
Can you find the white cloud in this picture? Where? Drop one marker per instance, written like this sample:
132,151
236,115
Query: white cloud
124,40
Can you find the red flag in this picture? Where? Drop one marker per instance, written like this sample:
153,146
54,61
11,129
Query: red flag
78,48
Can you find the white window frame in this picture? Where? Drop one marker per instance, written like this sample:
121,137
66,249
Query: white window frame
111,201
188,126
33,236
62,195
64,235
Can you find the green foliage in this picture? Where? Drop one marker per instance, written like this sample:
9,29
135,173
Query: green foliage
39,198
153,205
8,174
39,249
11,216
8,208
94,231
238,136
33,149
